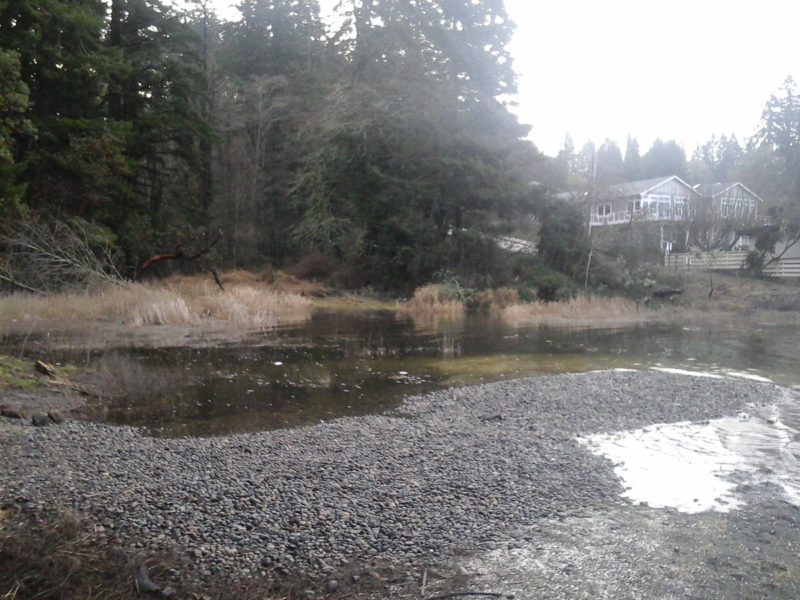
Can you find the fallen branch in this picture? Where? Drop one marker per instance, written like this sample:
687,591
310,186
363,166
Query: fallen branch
667,293
178,253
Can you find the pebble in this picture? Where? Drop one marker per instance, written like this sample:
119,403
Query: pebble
418,484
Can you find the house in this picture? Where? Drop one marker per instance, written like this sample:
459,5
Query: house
660,199
729,201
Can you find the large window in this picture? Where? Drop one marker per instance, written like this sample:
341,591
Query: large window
603,210
660,206
679,207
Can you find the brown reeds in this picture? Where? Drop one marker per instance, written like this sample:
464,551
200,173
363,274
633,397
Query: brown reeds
495,299
434,299
174,301
581,311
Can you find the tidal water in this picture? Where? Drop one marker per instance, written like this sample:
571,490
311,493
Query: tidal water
697,467
340,364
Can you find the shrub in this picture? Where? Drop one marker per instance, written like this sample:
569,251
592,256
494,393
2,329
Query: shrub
438,298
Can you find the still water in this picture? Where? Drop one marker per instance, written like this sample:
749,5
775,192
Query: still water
340,364
698,467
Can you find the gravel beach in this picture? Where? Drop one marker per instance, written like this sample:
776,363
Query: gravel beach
444,475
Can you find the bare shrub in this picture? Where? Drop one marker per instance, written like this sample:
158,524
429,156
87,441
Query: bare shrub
42,256
314,266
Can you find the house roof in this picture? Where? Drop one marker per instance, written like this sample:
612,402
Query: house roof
710,190
643,186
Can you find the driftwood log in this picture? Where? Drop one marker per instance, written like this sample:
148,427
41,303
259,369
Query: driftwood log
667,293
184,251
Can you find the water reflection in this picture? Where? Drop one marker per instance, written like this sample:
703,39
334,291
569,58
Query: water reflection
355,363
696,467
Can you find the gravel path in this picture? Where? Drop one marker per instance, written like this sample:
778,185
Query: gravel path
448,472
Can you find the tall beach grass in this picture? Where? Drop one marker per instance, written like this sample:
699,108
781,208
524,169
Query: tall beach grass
174,301
581,311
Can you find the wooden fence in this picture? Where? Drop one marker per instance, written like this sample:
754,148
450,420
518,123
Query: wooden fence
708,261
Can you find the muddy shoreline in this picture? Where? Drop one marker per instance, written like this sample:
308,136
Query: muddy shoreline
448,476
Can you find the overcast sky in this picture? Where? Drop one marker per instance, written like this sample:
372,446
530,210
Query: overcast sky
669,69
678,69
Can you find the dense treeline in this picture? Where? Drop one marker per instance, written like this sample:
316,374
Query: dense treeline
377,153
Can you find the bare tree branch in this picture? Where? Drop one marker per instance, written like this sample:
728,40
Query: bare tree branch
46,255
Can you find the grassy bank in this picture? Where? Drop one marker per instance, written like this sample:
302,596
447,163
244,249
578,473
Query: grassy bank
244,301
252,302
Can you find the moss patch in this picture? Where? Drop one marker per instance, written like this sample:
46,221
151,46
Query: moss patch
19,374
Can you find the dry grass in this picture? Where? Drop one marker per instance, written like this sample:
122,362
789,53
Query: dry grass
582,311
54,555
174,301
433,299
431,306
495,299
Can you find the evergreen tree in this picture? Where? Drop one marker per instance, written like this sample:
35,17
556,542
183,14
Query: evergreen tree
779,134
633,161
13,125
664,159
409,162
75,161
610,166
274,38
156,89
716,160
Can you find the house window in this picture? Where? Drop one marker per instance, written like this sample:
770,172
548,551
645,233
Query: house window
679,207
603,210
634,206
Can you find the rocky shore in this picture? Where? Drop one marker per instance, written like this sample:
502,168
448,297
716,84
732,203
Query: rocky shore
446,474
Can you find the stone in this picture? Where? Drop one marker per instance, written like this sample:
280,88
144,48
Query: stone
41,420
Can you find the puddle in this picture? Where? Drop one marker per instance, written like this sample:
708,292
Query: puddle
735,486
697,467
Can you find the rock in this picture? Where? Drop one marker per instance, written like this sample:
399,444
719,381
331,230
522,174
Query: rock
332,586
144,584
55,416
41,420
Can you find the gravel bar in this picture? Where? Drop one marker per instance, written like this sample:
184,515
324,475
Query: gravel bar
446,473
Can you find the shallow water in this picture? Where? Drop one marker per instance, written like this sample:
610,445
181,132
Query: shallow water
341,364
697,467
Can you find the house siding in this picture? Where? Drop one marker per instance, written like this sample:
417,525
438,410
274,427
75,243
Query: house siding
667,201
